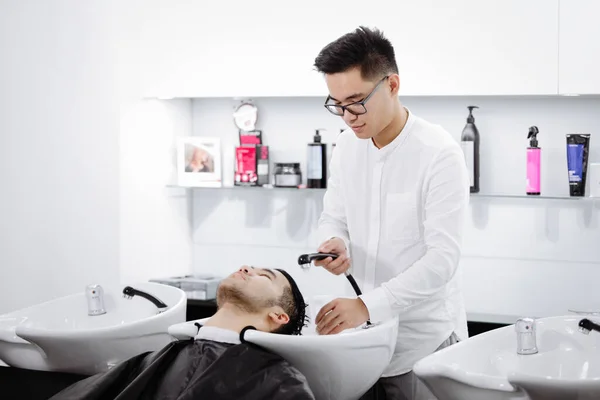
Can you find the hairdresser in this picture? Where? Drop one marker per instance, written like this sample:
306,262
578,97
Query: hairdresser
393,211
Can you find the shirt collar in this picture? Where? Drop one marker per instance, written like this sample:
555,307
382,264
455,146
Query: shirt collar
398,140
218,335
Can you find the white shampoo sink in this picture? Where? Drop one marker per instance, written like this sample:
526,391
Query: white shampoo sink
487,366
337,367
59,335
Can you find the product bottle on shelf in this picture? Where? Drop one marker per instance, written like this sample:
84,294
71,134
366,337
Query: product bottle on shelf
469,141
316,171
534,155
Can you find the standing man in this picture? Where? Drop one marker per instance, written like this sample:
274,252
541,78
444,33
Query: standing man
394,208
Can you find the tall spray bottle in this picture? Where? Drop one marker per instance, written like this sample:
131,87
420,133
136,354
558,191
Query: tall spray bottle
534,158
469,142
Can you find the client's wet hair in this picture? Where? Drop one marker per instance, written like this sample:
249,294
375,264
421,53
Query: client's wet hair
293,304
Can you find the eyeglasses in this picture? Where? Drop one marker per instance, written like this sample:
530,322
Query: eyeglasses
356,108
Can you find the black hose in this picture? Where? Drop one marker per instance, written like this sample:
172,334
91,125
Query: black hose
354,284
356,289
308,258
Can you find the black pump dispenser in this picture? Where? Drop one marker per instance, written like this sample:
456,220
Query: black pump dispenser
317,137
471,118
533,131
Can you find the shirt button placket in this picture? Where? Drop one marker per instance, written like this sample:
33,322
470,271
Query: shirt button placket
374,225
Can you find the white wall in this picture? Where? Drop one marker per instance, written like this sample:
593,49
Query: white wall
59,160
521,256
83,159
154,228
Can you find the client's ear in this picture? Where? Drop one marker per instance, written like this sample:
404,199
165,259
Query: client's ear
279,318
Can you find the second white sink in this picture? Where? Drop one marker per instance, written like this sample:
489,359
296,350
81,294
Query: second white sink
487,366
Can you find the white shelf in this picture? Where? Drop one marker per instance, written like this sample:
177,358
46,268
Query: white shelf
242,188
524,196
473,195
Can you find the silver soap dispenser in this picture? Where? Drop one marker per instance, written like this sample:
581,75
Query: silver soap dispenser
95,300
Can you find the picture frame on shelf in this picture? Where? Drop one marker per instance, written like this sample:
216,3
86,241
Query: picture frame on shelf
199,161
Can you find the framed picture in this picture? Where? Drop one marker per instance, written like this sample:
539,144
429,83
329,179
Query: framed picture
199,161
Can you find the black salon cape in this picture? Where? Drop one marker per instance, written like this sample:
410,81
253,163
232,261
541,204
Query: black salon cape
198,370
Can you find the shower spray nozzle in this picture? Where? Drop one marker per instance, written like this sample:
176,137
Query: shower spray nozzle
306,259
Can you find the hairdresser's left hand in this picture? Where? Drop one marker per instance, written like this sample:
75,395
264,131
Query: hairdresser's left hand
341,314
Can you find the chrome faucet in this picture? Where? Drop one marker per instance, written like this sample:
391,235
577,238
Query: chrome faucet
95,300
526,336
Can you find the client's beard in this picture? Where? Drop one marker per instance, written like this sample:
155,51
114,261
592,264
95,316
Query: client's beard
245,302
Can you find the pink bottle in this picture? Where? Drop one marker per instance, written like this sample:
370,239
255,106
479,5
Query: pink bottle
534,156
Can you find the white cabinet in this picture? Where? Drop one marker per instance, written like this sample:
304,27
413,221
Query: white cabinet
198,49
579,47
235,48
267,48
474,47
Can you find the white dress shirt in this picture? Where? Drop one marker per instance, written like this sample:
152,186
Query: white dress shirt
400,211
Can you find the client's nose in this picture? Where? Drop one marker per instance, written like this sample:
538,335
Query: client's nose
245,269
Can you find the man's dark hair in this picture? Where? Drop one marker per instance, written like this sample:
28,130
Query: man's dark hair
294,306
365,48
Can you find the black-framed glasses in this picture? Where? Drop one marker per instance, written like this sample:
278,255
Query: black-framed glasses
356,108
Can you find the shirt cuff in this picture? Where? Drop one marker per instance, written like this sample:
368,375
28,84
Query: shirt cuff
377,304
333,233
346,243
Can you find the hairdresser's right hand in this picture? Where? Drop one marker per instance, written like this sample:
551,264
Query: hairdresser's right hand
341,263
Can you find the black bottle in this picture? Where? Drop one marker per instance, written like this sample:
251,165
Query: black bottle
469,142
316,171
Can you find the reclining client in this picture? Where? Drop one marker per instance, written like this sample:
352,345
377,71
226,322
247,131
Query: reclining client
217,364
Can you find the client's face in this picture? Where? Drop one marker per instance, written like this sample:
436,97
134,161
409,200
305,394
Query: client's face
252,289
